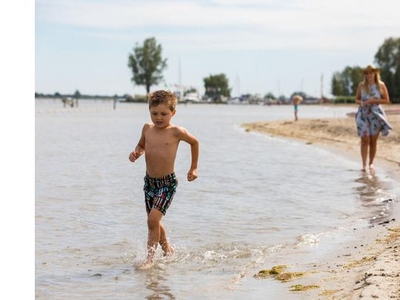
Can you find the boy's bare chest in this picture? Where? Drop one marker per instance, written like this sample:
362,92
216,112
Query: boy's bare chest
161,140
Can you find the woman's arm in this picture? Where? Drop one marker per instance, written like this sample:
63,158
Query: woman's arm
358,94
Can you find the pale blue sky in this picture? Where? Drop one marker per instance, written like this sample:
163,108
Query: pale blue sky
261,46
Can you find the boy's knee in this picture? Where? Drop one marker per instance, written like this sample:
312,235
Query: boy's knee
153,222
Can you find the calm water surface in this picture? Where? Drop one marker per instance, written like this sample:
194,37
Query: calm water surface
258,200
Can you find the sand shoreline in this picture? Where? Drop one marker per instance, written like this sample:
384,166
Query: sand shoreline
368,267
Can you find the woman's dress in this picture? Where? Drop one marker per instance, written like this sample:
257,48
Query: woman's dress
371,118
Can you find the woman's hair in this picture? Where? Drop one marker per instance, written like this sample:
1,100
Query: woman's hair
377,80
161,96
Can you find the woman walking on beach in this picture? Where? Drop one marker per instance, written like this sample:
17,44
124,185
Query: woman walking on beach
370,117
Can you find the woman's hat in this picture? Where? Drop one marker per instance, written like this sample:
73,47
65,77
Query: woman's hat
371,69
297,97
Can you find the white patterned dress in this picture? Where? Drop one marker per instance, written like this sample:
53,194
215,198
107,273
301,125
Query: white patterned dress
371,119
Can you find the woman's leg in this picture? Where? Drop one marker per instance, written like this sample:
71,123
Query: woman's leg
373,141
364,151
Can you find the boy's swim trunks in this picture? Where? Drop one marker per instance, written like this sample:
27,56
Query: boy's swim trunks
159,192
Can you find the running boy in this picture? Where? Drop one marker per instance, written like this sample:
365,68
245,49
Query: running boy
159,141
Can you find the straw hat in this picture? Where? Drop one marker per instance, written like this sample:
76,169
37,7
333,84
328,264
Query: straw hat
371,69
297,98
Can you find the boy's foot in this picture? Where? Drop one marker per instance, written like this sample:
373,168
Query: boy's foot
169,251
145,265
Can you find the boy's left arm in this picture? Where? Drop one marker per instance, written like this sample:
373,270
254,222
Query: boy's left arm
195,149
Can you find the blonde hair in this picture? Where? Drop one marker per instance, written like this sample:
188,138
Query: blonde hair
377,80
162,96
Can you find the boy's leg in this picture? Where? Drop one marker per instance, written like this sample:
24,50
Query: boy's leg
164,241
153,238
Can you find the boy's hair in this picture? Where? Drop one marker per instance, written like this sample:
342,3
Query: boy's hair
162,96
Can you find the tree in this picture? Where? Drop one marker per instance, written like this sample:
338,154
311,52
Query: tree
77,94
345,83
147,64
270,95
190,90
337,88
388,59
217,86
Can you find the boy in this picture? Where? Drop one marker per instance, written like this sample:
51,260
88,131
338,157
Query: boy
159,141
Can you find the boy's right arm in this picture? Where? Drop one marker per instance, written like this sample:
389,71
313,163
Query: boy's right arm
139,149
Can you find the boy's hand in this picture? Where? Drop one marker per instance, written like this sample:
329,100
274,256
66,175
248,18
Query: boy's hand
133,156
192,175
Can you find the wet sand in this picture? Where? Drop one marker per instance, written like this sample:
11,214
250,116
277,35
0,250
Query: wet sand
368,268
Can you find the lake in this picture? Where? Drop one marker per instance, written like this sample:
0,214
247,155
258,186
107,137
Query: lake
258,201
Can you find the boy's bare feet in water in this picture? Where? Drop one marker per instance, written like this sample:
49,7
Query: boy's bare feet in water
145,265
168,251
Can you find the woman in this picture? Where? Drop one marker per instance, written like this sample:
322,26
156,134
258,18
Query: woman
296,101
370,117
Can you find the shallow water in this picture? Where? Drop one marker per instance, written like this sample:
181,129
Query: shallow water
257,199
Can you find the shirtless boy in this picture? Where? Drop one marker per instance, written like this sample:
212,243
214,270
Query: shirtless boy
159,142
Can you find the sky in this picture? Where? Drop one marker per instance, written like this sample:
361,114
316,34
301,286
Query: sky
264,46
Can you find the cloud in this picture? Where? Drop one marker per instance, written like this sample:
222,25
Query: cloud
262,37
229,25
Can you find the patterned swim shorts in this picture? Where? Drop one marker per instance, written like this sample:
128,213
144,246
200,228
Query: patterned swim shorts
159,192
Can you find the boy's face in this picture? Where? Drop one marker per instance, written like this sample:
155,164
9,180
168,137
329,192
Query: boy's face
161,115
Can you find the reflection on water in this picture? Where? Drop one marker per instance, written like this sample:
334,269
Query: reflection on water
157,286
373,194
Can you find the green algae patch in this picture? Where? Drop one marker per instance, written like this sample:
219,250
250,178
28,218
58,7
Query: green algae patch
361,262
301,288
328,292
276,270
393,234
287,276
278,273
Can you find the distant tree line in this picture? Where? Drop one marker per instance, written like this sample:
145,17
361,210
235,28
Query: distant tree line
77,95
344,84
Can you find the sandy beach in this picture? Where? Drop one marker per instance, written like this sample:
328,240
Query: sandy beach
370,268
